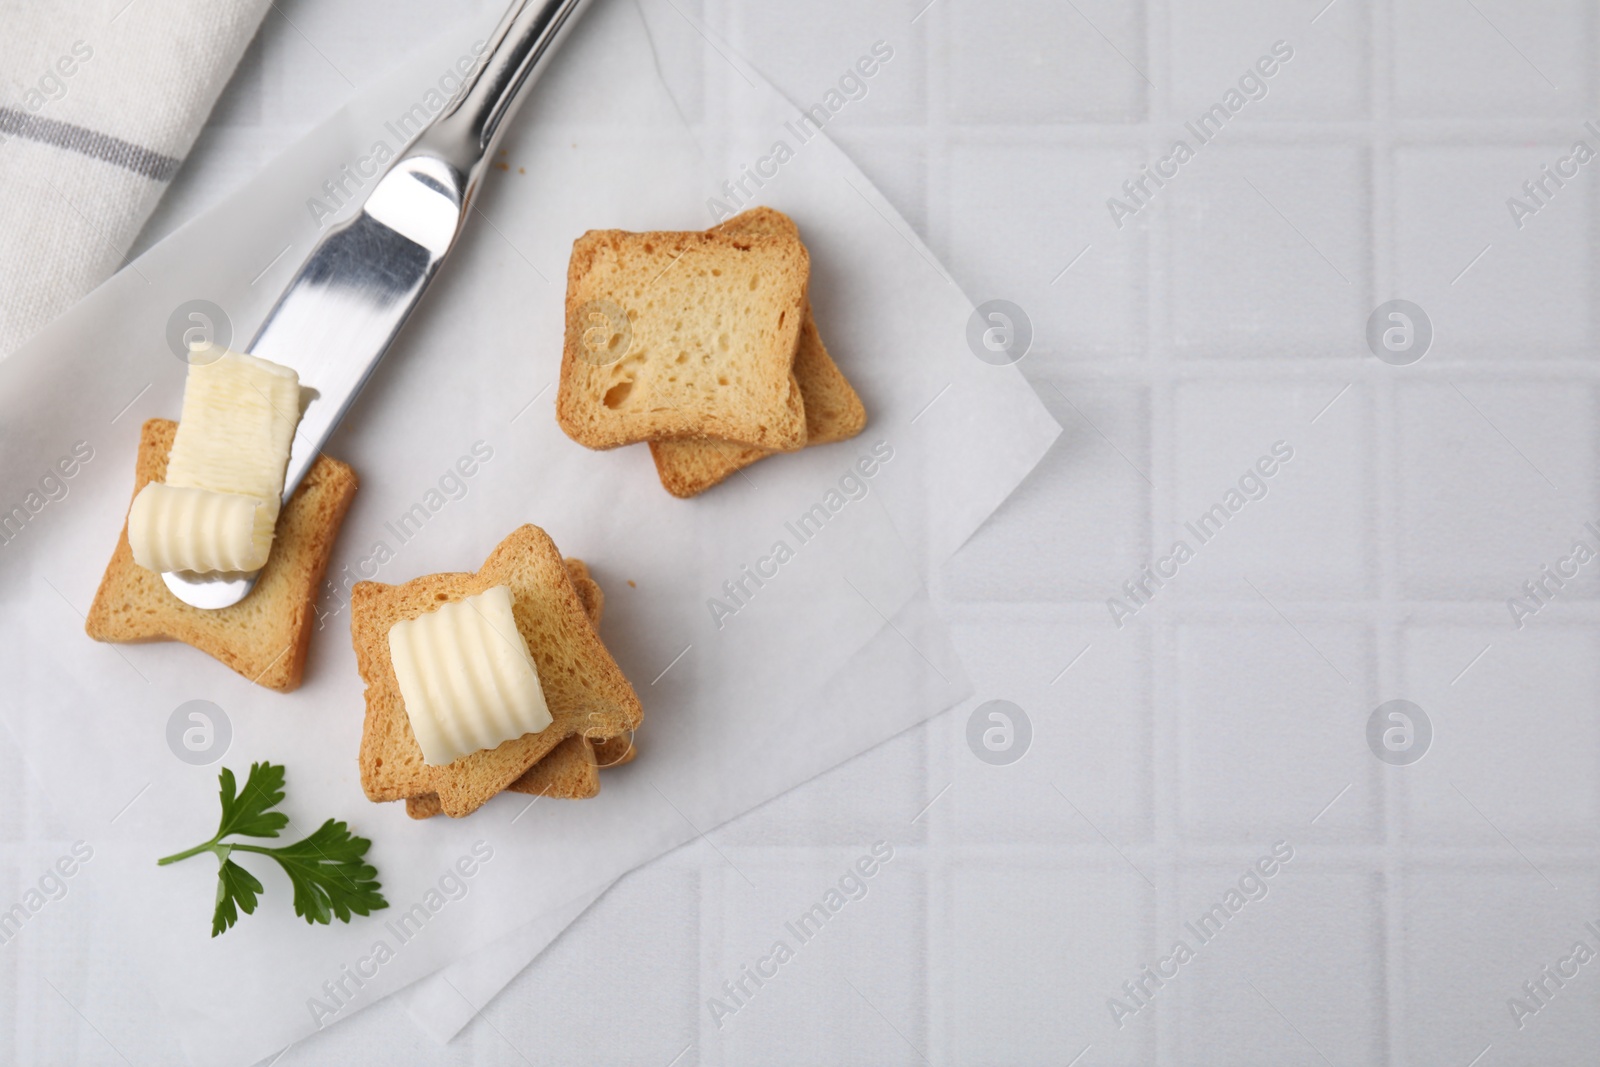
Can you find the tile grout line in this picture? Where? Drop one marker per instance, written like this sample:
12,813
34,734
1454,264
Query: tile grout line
936,990
1383,211
1160,639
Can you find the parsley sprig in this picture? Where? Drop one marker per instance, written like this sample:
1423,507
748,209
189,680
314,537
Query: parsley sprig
327,869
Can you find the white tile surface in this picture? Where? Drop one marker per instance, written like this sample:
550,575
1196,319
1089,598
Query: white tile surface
1256,231
1473,933
1264,724
1497,58
1005,919
1079,283
1319,499
1171,752
1328,919
1481,468
1214,44
1017,63
1514,760
1073,784
1450,208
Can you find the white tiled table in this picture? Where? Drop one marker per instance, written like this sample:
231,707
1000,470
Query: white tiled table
1228,714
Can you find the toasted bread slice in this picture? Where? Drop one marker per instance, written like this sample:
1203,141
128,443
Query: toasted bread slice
713,323
615,751
583,686
264,637
571,771
590,595
424,807
834,411
608,751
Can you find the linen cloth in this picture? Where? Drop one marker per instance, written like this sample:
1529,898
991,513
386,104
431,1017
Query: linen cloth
100,101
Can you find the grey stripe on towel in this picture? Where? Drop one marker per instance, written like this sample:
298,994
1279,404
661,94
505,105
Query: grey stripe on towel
89,142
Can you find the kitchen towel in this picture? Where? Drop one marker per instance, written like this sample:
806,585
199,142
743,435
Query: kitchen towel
100,101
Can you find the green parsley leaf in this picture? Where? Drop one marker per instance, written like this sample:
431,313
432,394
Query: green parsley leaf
329,875
247,813
235,885
327,870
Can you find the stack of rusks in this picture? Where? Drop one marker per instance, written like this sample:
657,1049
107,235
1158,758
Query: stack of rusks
702,344
555,608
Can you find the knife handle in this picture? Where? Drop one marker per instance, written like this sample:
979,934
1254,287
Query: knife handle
465,132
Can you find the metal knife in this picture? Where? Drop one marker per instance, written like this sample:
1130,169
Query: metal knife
349,299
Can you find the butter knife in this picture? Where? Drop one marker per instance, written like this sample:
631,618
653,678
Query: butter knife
355,290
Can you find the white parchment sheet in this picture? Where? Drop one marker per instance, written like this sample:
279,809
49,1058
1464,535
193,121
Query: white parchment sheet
735,713
750,119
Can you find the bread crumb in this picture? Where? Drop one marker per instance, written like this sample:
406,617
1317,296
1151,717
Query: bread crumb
632,584
503,166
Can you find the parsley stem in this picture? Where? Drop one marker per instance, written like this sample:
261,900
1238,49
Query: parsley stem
214,846
209,846
261,849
